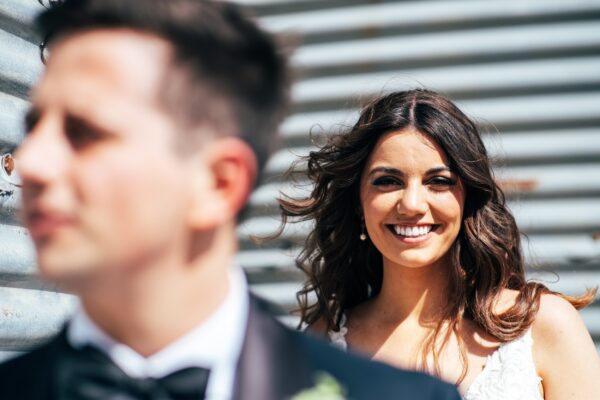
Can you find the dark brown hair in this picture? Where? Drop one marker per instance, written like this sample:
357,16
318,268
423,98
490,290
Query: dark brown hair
486,257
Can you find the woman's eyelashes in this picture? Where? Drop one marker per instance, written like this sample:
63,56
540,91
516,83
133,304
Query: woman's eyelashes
385,181
437,183
441,182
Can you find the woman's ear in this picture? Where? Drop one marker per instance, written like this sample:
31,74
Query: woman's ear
222,189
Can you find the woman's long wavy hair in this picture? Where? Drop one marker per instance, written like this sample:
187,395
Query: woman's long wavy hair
486,257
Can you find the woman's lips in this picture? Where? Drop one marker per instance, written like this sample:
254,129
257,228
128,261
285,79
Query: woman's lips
412,233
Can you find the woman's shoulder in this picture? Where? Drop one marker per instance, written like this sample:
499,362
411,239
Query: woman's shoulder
319,327
562,346
554,310
554,315
557,321
557,328
564,351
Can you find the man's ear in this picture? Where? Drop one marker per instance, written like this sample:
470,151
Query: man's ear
222,189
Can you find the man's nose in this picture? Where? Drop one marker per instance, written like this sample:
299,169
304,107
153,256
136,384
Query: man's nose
43,155
412,200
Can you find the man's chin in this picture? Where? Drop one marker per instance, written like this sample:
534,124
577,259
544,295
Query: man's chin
68,273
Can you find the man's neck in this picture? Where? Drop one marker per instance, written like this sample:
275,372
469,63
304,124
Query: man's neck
149,308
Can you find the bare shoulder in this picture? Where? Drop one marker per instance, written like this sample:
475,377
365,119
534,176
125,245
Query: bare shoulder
318,328
554,310
557,320
564,353
558,331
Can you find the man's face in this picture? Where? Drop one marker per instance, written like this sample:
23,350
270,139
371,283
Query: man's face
103,189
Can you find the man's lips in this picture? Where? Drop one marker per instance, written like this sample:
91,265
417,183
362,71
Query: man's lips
41,224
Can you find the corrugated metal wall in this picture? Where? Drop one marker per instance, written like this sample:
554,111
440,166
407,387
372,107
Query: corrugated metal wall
527,69
29,310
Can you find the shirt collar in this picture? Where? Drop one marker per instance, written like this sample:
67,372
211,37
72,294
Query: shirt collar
216,342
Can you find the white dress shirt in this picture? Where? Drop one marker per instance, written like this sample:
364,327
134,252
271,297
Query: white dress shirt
215,344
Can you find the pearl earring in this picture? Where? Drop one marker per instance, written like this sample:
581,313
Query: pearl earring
363,235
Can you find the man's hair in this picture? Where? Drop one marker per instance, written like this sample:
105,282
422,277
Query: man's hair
226,72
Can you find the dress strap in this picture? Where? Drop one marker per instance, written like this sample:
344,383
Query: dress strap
509,373
338,338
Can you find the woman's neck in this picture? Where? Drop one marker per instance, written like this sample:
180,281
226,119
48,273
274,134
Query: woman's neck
418,294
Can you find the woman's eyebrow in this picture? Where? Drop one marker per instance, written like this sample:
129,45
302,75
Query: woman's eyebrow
441,168
386,170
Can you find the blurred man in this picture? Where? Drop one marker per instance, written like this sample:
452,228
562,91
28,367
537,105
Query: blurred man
145,138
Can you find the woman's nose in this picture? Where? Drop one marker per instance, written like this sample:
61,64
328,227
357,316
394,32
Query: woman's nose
412,200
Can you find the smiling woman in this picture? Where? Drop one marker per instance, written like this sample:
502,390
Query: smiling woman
415,259
411,200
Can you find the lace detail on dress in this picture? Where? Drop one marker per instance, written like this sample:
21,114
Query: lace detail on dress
509,373
338,339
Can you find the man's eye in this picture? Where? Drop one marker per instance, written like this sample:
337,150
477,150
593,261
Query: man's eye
80,134
81,139
386,181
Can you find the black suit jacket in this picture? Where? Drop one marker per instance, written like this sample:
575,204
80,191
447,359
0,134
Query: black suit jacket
276,363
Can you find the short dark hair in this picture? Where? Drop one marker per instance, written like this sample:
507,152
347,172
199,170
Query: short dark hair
221,58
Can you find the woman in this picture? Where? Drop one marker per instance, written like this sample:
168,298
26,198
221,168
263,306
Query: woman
415,260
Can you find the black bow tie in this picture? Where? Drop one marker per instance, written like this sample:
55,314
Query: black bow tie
88,373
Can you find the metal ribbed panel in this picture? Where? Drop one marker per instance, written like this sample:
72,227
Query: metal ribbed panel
527,69
29,310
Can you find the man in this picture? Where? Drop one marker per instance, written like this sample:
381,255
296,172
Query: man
145,138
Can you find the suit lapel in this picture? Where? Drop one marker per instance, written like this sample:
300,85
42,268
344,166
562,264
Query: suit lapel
41,370
272,365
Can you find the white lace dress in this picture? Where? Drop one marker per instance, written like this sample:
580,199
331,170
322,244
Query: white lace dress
509,373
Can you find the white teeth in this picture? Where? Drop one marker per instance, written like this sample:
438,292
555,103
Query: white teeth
412,231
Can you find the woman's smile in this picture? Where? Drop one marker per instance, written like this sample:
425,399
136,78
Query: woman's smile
413,234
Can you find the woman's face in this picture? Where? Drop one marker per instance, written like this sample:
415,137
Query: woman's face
412,202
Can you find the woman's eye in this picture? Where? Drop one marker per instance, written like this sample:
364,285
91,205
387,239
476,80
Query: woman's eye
386,181
442,182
